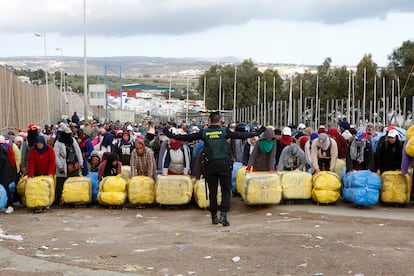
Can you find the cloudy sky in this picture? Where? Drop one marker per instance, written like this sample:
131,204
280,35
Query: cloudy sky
291,31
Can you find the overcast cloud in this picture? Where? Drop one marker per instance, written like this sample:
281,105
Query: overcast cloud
302,31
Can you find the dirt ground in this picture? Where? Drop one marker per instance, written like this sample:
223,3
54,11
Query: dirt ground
299,239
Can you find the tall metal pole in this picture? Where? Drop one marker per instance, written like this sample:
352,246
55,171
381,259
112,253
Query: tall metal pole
186,114
365,95
204,91
290,101
264,103
235,93
61,80
85,65
392,100
348,103
353,100
300,102
274,99
46,77
169,100
316,102
375,98
219,103
384,101
258,99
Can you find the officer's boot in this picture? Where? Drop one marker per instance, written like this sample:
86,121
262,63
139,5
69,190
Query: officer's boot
214,218
223,219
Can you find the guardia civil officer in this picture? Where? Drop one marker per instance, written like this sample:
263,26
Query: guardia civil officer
218,166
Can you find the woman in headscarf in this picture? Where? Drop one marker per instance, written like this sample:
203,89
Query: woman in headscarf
359,155
264,153
86,148
110,166
42,159
390,152
176,159
28,143
143,161
68,160
124,148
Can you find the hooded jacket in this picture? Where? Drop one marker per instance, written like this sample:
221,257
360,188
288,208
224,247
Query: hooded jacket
262,161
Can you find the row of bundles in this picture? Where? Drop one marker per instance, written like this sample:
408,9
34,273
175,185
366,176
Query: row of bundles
270,188
39,191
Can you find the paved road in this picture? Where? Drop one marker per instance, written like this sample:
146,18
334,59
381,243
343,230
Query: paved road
11,263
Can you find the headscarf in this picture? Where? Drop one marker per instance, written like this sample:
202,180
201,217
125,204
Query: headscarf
357,148
110,157
140,142
333,132
31,136
18,139
123,141
286,140
83,138
176,144
40,139
65,138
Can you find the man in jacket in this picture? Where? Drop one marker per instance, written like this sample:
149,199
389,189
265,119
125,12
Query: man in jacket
218,166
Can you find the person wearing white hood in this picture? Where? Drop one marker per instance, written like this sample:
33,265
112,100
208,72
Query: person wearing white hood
248,149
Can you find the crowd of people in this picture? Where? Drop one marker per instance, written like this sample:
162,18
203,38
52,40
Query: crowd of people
197,149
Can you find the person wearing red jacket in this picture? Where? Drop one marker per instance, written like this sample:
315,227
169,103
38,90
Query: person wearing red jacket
340,141
42,159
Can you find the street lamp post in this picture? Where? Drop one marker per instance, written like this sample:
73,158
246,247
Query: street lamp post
85,66
46,79
61,80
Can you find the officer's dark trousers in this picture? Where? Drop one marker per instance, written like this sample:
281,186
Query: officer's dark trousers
218,171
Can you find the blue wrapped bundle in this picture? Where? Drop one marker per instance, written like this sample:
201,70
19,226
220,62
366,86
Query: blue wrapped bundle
236,167
361,196
95,185
362,187
3,197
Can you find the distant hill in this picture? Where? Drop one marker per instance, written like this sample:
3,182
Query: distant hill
132,66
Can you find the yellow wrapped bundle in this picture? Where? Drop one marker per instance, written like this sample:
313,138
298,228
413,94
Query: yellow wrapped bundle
39,191
296,185
200,194
262,188
326,187
126,172
240,179
21,187
340,164
112,190
173,189
141,190
77,190
396,187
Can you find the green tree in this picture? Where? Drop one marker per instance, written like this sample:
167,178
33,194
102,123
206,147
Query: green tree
246,74
402,65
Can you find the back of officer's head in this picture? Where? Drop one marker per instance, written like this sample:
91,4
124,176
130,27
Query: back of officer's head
215,117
